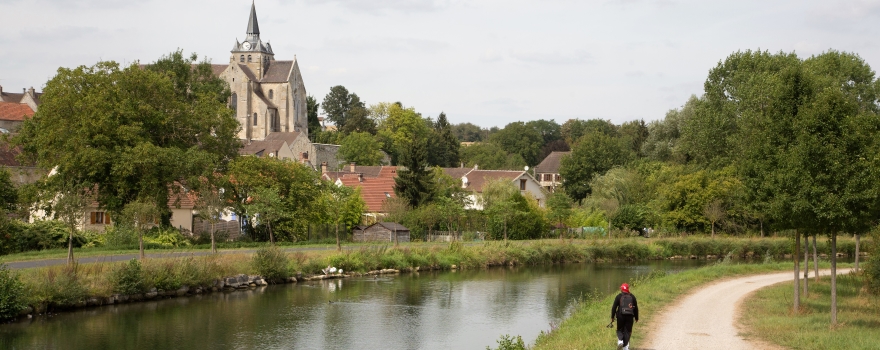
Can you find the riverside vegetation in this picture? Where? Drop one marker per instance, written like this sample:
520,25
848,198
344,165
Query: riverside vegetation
61,287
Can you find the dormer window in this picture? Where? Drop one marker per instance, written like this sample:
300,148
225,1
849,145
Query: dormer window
241,59
249,58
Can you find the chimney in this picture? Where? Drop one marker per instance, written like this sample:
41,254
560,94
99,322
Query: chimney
1,89
352,168
323,167
476,167
360,177
31,92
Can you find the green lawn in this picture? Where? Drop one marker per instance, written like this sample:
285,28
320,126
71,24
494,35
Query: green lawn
771,318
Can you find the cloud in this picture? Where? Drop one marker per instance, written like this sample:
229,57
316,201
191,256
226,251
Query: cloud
553,58
361,45
58,34
490,56
381,6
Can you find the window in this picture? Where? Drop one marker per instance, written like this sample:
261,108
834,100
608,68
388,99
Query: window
241,59
100,218
522,184
234,104
249,58
255,119
271,94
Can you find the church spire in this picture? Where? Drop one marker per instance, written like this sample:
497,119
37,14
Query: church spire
253,27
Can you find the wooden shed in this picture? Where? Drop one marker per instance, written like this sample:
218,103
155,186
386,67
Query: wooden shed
381,232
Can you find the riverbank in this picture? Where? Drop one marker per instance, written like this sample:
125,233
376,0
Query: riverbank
771,318
64,287
586,327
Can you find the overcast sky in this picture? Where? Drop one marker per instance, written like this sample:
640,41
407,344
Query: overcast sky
487,62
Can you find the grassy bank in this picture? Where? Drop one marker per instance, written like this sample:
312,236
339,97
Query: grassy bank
582,249
61,287
771,318
585,329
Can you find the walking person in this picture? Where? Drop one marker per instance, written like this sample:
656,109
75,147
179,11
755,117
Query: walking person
626,310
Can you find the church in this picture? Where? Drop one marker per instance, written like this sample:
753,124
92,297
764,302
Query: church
269,99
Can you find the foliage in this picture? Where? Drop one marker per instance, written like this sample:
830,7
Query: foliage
271,263
8,193
12,293
518,138
575,129
128,278
443,149
313,122
490,156
132,131
594,154
361,148
415,183
338,105
507,342
359,121
400,129
468,132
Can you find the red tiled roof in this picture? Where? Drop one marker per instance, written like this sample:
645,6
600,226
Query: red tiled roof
374,191
8,154
456,173
15,111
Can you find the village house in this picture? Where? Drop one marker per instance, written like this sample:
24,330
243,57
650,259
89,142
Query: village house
547,173
473,180
15,108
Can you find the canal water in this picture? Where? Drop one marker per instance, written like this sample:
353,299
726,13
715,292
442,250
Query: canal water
434,310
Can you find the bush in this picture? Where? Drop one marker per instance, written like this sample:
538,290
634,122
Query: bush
508,342
120,236
128,278
872,273
11,293
271,263
167,238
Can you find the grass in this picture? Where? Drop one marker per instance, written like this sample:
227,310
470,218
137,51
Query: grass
771,317
585,329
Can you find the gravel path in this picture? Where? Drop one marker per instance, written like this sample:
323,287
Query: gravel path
706,319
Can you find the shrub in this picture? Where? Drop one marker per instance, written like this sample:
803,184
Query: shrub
508,342
120,236
872,273
271,263
11,293
128,278
167,238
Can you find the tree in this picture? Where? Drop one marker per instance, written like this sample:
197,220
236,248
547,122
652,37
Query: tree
637,133
359,121
133,132
594,154
211,205
341,205
467,132
339,103
490,156
415,183
662,143
8,193
361,148
266,206
550,130
443,149
141,215
574,129
312,110
400,128
714,212
560,209
70,207
517,138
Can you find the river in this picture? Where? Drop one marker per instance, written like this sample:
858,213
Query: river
435,310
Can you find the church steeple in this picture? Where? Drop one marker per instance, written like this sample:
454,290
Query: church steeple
253,27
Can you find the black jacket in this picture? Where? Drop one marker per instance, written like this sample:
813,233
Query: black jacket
615,308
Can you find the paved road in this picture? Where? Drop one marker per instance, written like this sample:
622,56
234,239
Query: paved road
706,319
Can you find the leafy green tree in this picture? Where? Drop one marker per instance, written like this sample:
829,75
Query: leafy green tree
132,132
662,143
443,149
559,206
550,130
400,129
361,148
359,121
338,105
312,110
574,129
8,193
211,204
69,206
141,215
509,213
415,182
594,154
341,205
468,132
517,138
295,186
490,156
329,137
637,133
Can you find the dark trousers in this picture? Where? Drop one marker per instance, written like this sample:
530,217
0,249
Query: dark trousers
624,328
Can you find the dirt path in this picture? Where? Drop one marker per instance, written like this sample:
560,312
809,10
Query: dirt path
706,319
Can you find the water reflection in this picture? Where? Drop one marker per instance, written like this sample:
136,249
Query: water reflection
460,309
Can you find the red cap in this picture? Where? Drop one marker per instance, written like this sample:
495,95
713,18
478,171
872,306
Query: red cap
624,288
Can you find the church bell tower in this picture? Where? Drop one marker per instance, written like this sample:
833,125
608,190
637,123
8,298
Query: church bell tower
252,52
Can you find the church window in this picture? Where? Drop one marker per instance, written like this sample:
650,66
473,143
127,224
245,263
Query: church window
241,59
255,119
234,102
271,94
249,58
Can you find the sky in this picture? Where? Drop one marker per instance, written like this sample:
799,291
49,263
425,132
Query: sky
487,62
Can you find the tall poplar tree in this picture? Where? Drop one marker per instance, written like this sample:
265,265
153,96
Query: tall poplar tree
415,183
